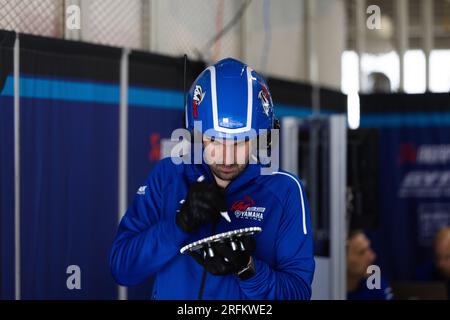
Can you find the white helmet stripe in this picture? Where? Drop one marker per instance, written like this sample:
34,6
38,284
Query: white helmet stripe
212,71
301,198
219,128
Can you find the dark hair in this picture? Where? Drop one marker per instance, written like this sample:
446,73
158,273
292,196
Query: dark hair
353,233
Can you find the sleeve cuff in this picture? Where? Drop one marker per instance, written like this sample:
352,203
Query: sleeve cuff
260,277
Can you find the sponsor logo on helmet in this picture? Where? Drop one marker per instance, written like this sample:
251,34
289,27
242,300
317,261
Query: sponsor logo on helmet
197,99
263,95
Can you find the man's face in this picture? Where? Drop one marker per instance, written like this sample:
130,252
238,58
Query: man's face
442,257
359,255
227,159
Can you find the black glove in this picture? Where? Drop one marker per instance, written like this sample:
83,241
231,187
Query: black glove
228,257
203,204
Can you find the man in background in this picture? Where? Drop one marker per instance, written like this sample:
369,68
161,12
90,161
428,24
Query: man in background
439,268
359,257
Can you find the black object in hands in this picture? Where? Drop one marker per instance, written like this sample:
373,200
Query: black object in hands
230,256
203,204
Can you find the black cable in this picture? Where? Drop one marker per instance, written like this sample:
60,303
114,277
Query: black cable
184,90
184,78
202,283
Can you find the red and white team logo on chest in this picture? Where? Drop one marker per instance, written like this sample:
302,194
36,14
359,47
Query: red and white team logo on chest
246,209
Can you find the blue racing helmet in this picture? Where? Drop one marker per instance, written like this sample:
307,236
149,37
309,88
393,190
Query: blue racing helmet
231,100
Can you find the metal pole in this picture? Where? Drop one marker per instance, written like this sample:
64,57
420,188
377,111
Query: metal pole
428,37
338,182
17,251
145,25
85,31
123,146
360,38
311,60
312,67
68,33
154,25
403,37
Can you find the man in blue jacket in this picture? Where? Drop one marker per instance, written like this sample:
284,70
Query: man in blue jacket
181,203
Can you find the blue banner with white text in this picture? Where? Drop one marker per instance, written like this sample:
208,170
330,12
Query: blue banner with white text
415,196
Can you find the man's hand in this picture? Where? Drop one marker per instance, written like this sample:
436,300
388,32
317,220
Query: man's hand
203,204
228,257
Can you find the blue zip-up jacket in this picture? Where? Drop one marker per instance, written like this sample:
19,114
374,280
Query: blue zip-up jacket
148,240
